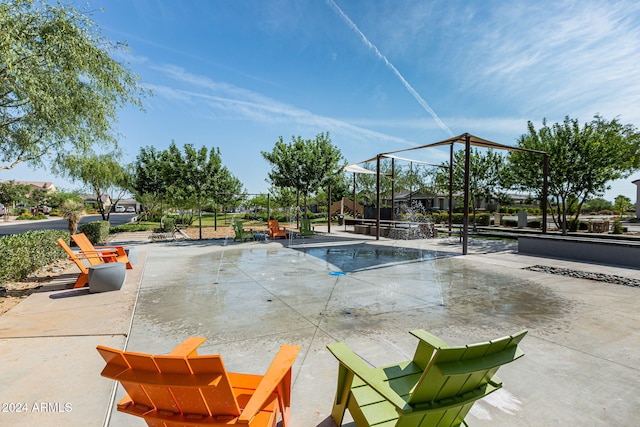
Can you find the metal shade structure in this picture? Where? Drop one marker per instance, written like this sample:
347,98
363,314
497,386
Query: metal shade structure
468,140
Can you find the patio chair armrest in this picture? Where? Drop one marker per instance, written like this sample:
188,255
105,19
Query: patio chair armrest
372,378
110,255
188,347
279,369
427,338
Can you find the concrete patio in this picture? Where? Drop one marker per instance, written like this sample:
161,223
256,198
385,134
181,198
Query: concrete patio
582,353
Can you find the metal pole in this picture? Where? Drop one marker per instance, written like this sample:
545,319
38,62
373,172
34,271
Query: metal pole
410,184
354,196
450,188
465,220
393,188
329,209
378,197
545,191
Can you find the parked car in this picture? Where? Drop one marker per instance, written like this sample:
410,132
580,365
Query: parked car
45,209
3,210
131,209
119,209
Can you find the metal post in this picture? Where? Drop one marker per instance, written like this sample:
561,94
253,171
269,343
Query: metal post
354,197
545,191
465,220
393,188
450,188
329,208
378,197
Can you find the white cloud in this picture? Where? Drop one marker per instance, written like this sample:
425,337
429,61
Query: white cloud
239,103
561,58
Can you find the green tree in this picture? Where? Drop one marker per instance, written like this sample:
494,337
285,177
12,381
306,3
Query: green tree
103,174
148,182
12,192
59,87
487,177
283,197
197,176
304,165
596,204
582,161
621,205
366,184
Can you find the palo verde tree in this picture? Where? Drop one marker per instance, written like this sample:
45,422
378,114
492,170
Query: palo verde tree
103,174
59,87
304,165
582,161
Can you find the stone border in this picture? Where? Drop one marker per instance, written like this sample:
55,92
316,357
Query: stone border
600,277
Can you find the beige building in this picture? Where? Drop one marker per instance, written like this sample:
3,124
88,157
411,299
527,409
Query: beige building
49,187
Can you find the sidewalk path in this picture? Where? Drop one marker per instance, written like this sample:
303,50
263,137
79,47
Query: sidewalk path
47,349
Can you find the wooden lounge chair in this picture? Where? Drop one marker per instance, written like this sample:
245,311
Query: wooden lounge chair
437,388
275,230
240,234
99,276
187,389
83,278
306,229
101,254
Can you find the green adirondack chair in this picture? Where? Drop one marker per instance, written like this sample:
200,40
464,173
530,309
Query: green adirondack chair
305,228
437,388
240,234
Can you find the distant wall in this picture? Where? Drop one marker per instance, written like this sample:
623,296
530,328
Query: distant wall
603,251
637,183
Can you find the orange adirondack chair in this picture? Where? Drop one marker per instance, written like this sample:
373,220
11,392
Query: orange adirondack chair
100,254
187,389
275,230
83,278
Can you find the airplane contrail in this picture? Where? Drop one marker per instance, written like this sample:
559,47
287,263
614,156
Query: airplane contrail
379,54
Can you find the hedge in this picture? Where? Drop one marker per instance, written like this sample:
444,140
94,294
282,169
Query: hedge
96,231
22,254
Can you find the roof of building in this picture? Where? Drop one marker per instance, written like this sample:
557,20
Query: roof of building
45,185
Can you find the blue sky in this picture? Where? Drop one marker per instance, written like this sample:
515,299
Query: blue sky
378,75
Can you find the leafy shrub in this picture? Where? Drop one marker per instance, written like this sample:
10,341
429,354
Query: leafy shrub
22,254
28,216
617,227
130,227
577,225
483,219
536,223
605,212
168,224
96,231
510,222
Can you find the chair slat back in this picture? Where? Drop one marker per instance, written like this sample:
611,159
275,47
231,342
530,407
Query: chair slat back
455,371
305,226
274,228
87,248
192,386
